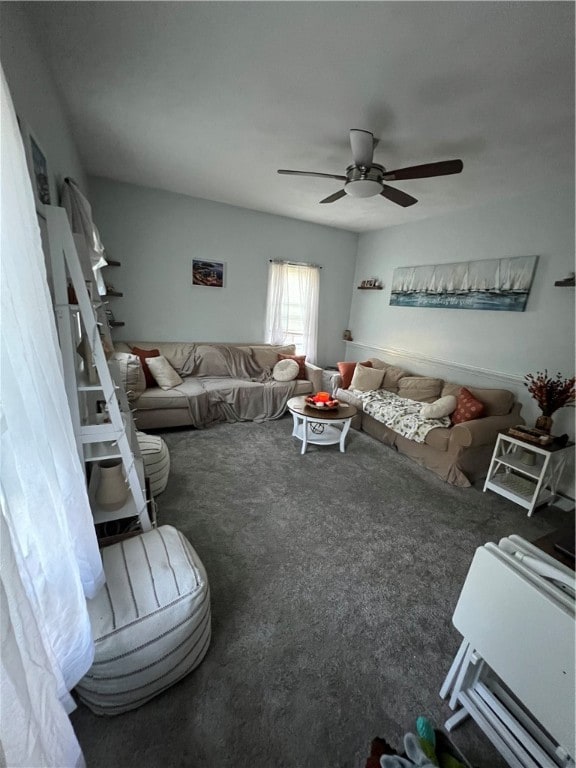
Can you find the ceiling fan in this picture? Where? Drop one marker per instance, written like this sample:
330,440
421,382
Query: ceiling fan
364,178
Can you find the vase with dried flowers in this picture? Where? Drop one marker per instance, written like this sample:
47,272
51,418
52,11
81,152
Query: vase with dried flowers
551,393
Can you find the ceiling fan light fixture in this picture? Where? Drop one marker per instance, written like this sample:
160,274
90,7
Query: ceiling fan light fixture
363,188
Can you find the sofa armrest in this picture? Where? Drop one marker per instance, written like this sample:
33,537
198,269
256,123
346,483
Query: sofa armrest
483,431
314,375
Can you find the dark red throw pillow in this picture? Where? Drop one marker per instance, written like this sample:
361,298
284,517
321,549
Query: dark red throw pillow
143,354
300,359
347,372
468,407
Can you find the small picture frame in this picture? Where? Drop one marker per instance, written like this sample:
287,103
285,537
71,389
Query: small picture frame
209,274
369,283
37,166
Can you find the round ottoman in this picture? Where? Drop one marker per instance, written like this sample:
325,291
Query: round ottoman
151,621
156,459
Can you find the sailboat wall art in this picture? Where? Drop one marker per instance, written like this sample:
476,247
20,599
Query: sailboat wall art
501,285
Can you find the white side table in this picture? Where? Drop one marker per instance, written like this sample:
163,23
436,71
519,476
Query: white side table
526,473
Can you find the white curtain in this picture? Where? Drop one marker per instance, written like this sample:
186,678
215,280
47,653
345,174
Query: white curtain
292,307
50,560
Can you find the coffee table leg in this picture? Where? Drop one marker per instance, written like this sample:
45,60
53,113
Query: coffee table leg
295,419
304,435
345,428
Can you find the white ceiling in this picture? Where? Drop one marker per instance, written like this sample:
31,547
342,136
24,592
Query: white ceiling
209,99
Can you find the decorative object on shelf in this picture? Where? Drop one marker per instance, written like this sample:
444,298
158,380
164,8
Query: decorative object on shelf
372,284
566,282
493,284
347,335
111,291
323,401
551,393
544,423
112,490
208,273
528,458
531,435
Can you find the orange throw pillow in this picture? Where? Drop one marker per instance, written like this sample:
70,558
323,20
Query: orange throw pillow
467,407
143,354
347,372
300,359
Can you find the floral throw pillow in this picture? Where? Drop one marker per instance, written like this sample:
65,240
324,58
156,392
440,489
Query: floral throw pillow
467,408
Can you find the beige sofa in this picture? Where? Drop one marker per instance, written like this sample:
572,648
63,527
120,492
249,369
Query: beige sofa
221,382
459,454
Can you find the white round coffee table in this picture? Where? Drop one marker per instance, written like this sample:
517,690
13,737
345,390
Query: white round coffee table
312,425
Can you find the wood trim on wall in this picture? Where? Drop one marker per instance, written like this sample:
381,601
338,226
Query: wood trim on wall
470,370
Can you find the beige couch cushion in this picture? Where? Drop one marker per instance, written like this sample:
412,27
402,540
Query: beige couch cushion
266,356
208,361
131,374
377,363
422,388
392,376
497,402
164,398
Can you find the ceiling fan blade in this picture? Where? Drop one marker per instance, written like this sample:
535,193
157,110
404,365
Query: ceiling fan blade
334,197
313,173
425,171
397,196
362,143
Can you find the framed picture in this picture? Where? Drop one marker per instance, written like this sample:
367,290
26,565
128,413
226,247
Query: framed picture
208,273
37,166
501,285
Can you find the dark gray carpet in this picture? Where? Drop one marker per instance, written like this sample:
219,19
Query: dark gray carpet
334,578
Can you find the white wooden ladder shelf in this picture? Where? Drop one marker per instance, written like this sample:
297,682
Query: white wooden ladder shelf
96,439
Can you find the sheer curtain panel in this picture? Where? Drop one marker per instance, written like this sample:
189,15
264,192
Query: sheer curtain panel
50,560
292,306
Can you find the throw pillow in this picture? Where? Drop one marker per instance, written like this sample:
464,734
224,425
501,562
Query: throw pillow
444,406
300,359
143,354
266,356
347,371
285,370
165,376
131,374
467,408
366,379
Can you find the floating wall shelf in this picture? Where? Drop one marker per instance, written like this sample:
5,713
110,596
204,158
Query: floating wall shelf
370,287
568,282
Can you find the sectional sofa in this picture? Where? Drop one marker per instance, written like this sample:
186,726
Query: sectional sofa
459,454
220,382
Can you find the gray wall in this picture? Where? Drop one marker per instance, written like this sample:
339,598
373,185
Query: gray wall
36,98
156,235
469,346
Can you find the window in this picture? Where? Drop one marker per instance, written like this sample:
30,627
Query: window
292,306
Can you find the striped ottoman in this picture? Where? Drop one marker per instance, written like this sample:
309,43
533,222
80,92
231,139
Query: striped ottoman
156,459
150,622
